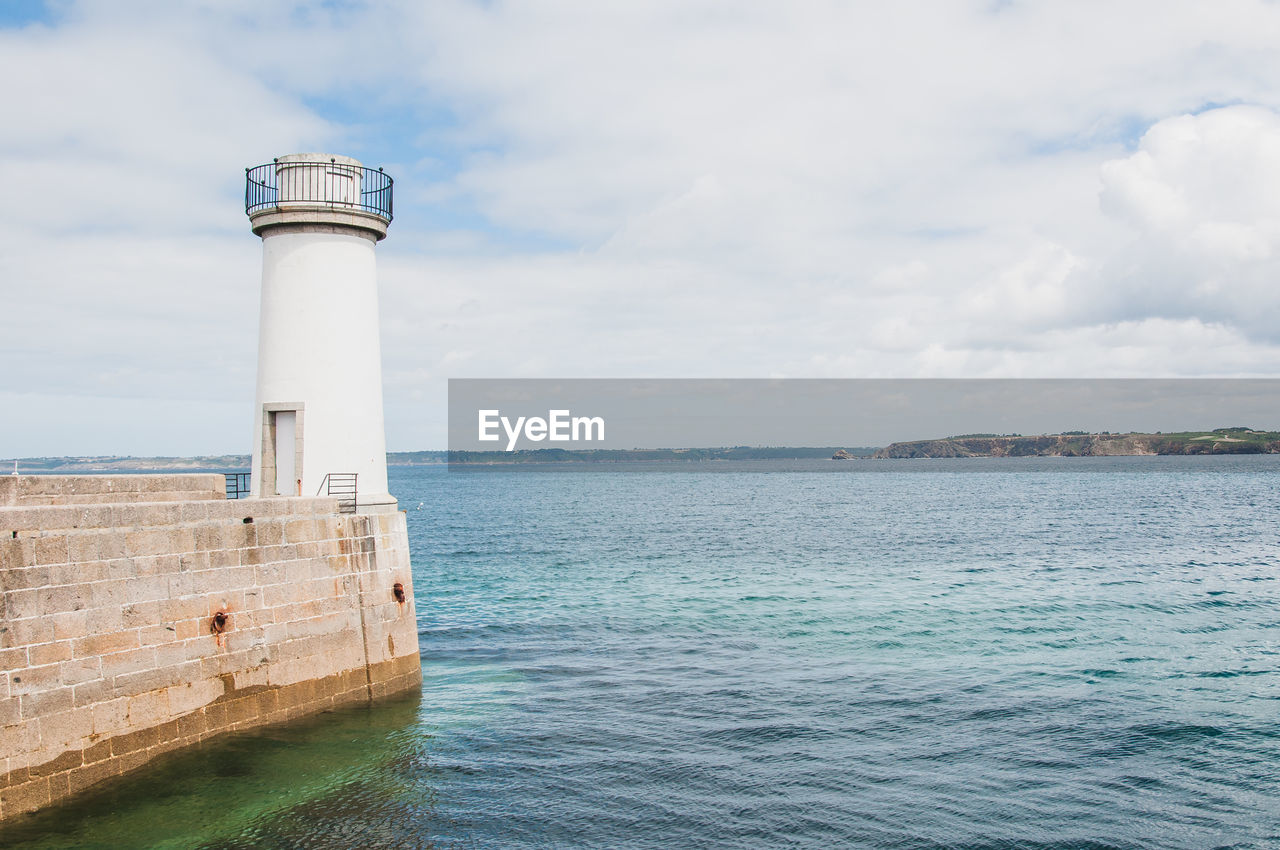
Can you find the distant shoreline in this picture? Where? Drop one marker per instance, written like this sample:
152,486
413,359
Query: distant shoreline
1220,441
236,463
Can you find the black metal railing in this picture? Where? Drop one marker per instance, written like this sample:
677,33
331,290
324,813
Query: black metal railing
341,485
281,185
237,484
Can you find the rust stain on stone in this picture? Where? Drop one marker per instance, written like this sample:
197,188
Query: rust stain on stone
220,623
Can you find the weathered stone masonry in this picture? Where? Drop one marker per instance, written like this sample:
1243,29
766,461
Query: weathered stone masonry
111,585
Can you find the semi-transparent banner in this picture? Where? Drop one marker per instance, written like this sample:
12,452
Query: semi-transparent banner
496,419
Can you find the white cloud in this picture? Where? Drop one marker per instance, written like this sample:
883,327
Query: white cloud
659,188
1198,197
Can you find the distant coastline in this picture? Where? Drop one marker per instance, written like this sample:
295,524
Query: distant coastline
120,463
1221,441
598,456
233,463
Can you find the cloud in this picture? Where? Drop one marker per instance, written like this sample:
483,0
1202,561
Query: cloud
128,277
659,188
1197,196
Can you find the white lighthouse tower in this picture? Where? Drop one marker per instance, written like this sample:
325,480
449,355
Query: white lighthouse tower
318,414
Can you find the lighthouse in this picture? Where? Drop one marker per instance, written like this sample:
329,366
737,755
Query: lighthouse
318,427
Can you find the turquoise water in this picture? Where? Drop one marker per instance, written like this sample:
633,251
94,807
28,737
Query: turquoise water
1044,653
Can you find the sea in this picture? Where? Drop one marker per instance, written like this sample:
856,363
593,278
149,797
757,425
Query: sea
958,653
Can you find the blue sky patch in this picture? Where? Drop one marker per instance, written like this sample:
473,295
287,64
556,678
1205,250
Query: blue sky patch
20,13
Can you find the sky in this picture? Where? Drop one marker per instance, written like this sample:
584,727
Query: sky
692,189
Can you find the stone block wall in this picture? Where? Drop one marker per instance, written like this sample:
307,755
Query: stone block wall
27,490
109,652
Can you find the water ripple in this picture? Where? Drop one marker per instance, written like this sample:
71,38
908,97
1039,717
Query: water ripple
958,655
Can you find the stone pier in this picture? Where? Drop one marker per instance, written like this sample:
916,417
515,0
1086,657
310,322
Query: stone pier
143,613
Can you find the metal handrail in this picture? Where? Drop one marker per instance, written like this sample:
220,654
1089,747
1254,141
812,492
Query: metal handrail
332,184
342,486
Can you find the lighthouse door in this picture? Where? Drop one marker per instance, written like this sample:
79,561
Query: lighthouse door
285,431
